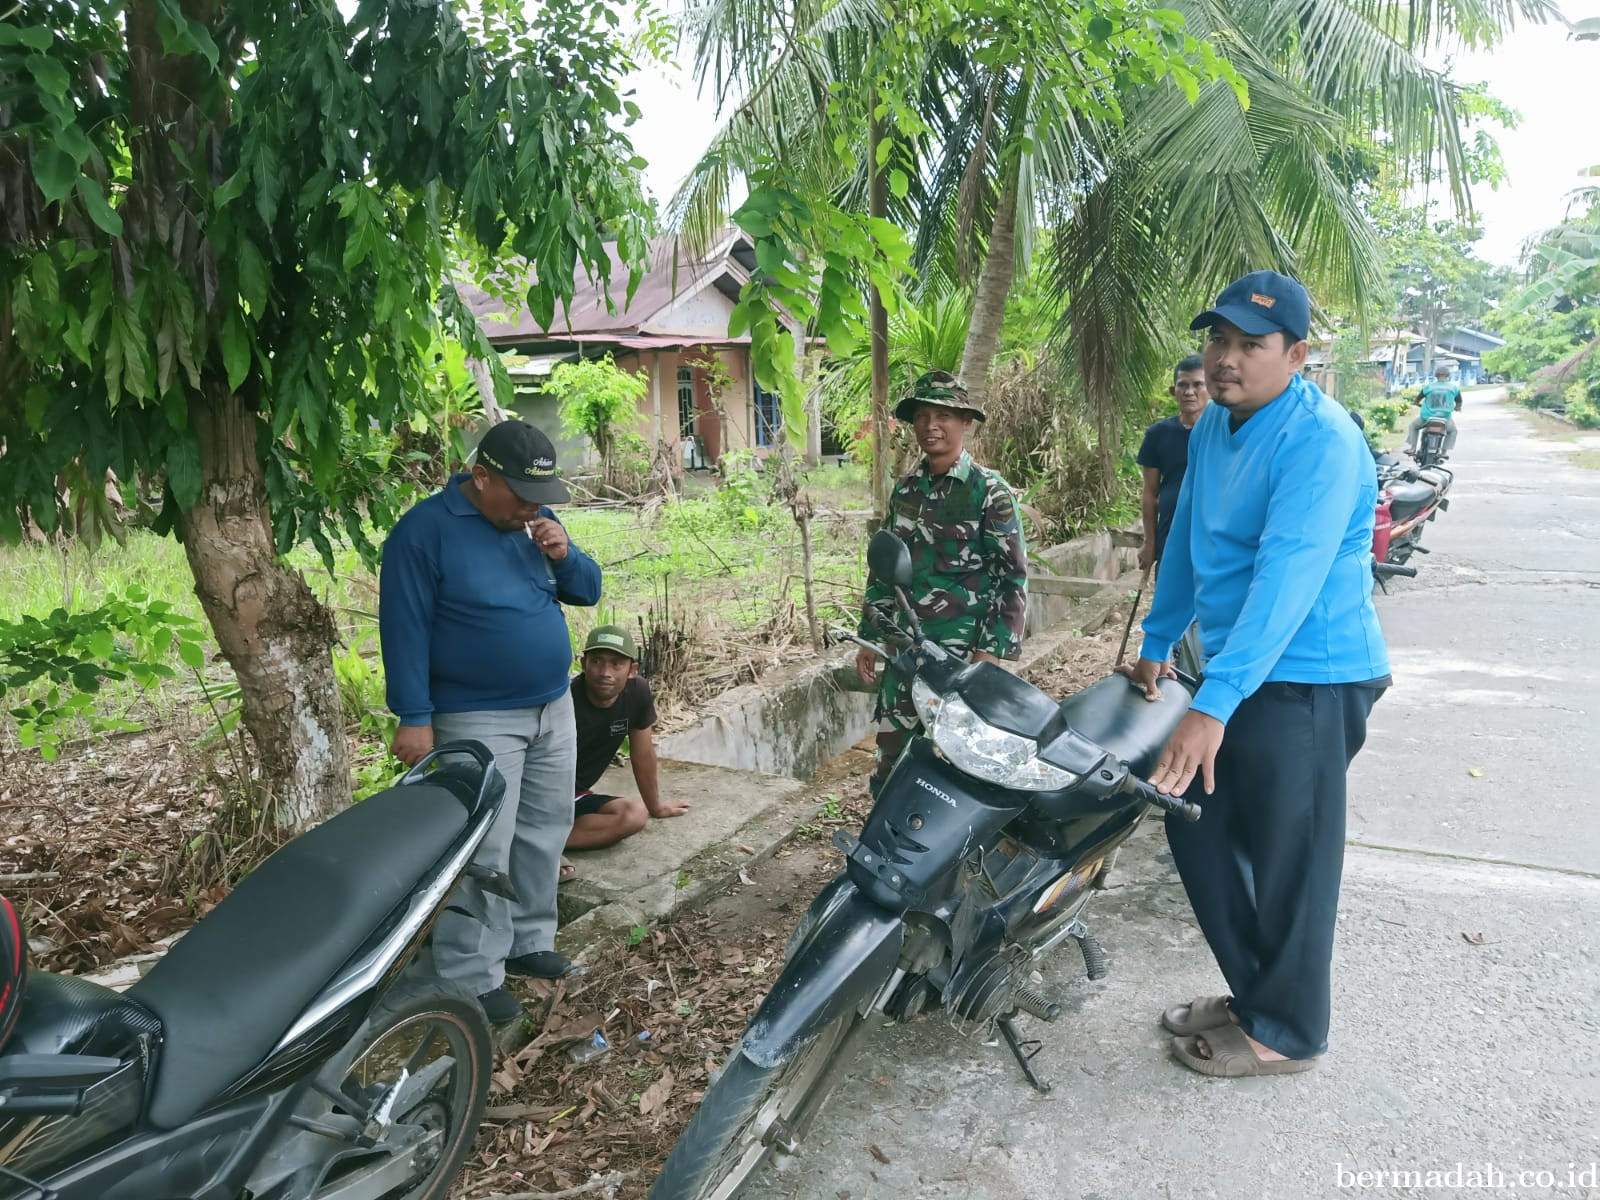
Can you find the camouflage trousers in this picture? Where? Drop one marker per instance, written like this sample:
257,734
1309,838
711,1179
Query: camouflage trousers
898,723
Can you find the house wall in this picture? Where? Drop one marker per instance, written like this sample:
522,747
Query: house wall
734,431
705,313
542,411
716,435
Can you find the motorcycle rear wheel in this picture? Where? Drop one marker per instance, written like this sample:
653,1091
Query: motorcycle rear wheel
750,1110
438,1035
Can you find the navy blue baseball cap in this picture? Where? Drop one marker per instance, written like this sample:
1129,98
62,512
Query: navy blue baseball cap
1261,302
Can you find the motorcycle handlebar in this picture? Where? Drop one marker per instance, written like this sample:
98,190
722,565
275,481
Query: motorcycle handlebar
1187,809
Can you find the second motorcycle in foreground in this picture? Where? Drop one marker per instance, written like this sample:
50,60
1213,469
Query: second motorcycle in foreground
978,857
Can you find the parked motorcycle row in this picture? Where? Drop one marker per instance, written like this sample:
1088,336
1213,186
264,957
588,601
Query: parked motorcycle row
1409,497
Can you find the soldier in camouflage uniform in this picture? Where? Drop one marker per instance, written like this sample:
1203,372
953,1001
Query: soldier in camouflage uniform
969,566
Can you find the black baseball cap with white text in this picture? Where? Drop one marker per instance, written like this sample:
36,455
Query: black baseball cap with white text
525,458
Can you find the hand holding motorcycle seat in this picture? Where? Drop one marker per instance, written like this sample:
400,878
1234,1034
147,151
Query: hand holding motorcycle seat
1122,722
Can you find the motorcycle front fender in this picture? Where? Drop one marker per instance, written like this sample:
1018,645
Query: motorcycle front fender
840,963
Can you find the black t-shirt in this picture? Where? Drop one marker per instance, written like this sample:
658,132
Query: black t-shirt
1166,448
601,730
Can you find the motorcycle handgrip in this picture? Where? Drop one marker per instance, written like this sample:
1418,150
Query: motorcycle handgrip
1389,570
1187,809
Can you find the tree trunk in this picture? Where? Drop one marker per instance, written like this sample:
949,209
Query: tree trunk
273,631
485,381
994,285
802,515
878,320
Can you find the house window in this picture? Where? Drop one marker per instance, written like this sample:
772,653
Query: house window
769,417
686,407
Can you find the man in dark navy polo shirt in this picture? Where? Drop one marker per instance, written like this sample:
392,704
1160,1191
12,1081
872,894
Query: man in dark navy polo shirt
1164,455
475,645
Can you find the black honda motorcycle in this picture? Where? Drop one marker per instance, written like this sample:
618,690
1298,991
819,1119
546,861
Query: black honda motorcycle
290,1046
978,857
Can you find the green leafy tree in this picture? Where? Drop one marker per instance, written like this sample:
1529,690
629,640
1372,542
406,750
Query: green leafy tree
1438,282
1552,331
600,401
227,229
833,118
1164,150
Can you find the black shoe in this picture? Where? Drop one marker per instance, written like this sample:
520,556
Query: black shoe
501,1007
541,964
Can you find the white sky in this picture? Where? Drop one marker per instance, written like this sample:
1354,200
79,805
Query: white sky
1552,82
675,127
1537,70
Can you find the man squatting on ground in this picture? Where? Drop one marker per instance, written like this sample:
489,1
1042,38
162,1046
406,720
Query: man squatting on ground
475,645
1270,551
612,701
969,565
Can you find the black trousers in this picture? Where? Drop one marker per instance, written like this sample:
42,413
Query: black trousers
1262,865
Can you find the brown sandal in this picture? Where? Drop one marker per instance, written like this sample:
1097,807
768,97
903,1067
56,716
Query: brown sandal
1197,1016
1232,1056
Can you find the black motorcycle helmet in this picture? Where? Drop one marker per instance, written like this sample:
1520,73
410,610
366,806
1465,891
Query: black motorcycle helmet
13,968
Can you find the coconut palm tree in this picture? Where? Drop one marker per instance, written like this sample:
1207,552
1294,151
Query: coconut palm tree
1155,197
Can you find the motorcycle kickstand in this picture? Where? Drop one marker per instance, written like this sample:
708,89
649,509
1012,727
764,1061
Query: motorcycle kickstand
1022,1051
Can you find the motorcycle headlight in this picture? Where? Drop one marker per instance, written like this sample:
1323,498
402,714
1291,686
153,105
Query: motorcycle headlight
926,700
982,750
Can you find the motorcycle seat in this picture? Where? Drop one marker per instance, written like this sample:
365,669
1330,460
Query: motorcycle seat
1115,715
234,984
1407,497
62,1014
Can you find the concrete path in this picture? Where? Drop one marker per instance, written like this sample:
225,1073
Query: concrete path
1467,993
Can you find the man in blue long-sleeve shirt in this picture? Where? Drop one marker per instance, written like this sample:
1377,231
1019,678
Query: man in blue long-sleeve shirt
475,645
1270,552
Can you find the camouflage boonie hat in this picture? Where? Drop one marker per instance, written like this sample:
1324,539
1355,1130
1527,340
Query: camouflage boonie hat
940,388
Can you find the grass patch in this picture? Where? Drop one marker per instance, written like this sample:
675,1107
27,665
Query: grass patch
722,568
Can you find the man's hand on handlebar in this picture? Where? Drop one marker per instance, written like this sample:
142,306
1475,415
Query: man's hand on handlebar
1146,672
867,666
1193,748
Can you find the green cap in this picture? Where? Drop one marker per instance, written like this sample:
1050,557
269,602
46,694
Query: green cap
614,638
938,388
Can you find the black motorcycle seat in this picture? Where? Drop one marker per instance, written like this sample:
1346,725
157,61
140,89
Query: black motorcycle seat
62,1014
1114,714
232,986
1406,497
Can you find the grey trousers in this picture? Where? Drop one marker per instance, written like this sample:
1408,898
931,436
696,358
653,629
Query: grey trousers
536,750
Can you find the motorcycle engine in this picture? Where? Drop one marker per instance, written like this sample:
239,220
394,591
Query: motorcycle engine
980,991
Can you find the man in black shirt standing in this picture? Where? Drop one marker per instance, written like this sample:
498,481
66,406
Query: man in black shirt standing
1165,455
610,702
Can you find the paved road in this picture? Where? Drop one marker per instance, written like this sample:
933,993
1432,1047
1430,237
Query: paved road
1443,1051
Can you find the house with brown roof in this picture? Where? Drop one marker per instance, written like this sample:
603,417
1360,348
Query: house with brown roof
671,331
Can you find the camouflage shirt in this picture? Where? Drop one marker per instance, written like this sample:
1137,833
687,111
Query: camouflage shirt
969,565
